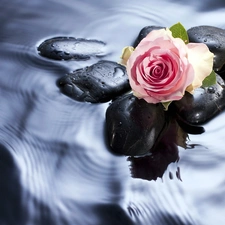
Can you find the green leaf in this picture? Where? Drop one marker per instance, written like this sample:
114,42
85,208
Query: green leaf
209,80
178,31
166,105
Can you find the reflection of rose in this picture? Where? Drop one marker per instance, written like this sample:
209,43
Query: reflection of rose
161,67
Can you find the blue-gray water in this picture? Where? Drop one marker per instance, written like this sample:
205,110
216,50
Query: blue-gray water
55,167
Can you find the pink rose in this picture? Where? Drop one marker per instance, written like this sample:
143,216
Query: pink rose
161,67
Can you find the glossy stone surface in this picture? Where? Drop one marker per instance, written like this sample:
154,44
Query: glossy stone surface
133,125
203,105
65,48
100,82
214,38
144,32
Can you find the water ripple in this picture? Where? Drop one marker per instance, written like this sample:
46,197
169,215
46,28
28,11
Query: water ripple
55,164
161,203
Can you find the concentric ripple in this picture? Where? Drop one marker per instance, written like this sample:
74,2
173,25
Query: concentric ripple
55,165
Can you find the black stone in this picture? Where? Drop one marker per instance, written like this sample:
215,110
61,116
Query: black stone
65,48
144,32
133,125
100,82
190,128
214,38
203,105
221,72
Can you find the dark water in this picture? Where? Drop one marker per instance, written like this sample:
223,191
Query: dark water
55,167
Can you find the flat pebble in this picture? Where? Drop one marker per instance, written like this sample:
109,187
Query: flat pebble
203,105
99,82
214,38
65,48
133,125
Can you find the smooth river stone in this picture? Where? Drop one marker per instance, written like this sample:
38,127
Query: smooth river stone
203,105
65,48
100,82
214,38
144,32
133,125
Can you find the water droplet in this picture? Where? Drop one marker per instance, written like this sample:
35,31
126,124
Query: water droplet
218,95
103,84
211,90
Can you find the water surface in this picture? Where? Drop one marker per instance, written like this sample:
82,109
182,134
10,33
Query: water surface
55,166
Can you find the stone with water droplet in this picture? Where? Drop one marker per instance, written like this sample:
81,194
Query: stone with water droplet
214,38
211,89
65,48
133,125
100,82
144,32
203,105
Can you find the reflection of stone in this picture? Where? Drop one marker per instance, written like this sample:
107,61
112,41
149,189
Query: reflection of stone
151,167
12,207
214,38
133,125
114,214
100,82
203,105
71,48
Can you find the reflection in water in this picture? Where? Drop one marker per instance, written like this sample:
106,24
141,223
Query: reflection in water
55,167
152,166
113,214
12,210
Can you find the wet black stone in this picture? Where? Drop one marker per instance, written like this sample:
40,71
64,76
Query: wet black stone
221,72
214,38
65,48
190,128
100,82
144,32
133,125
203,105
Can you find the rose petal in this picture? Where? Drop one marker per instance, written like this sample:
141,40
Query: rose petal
126,53
159,69
202,61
